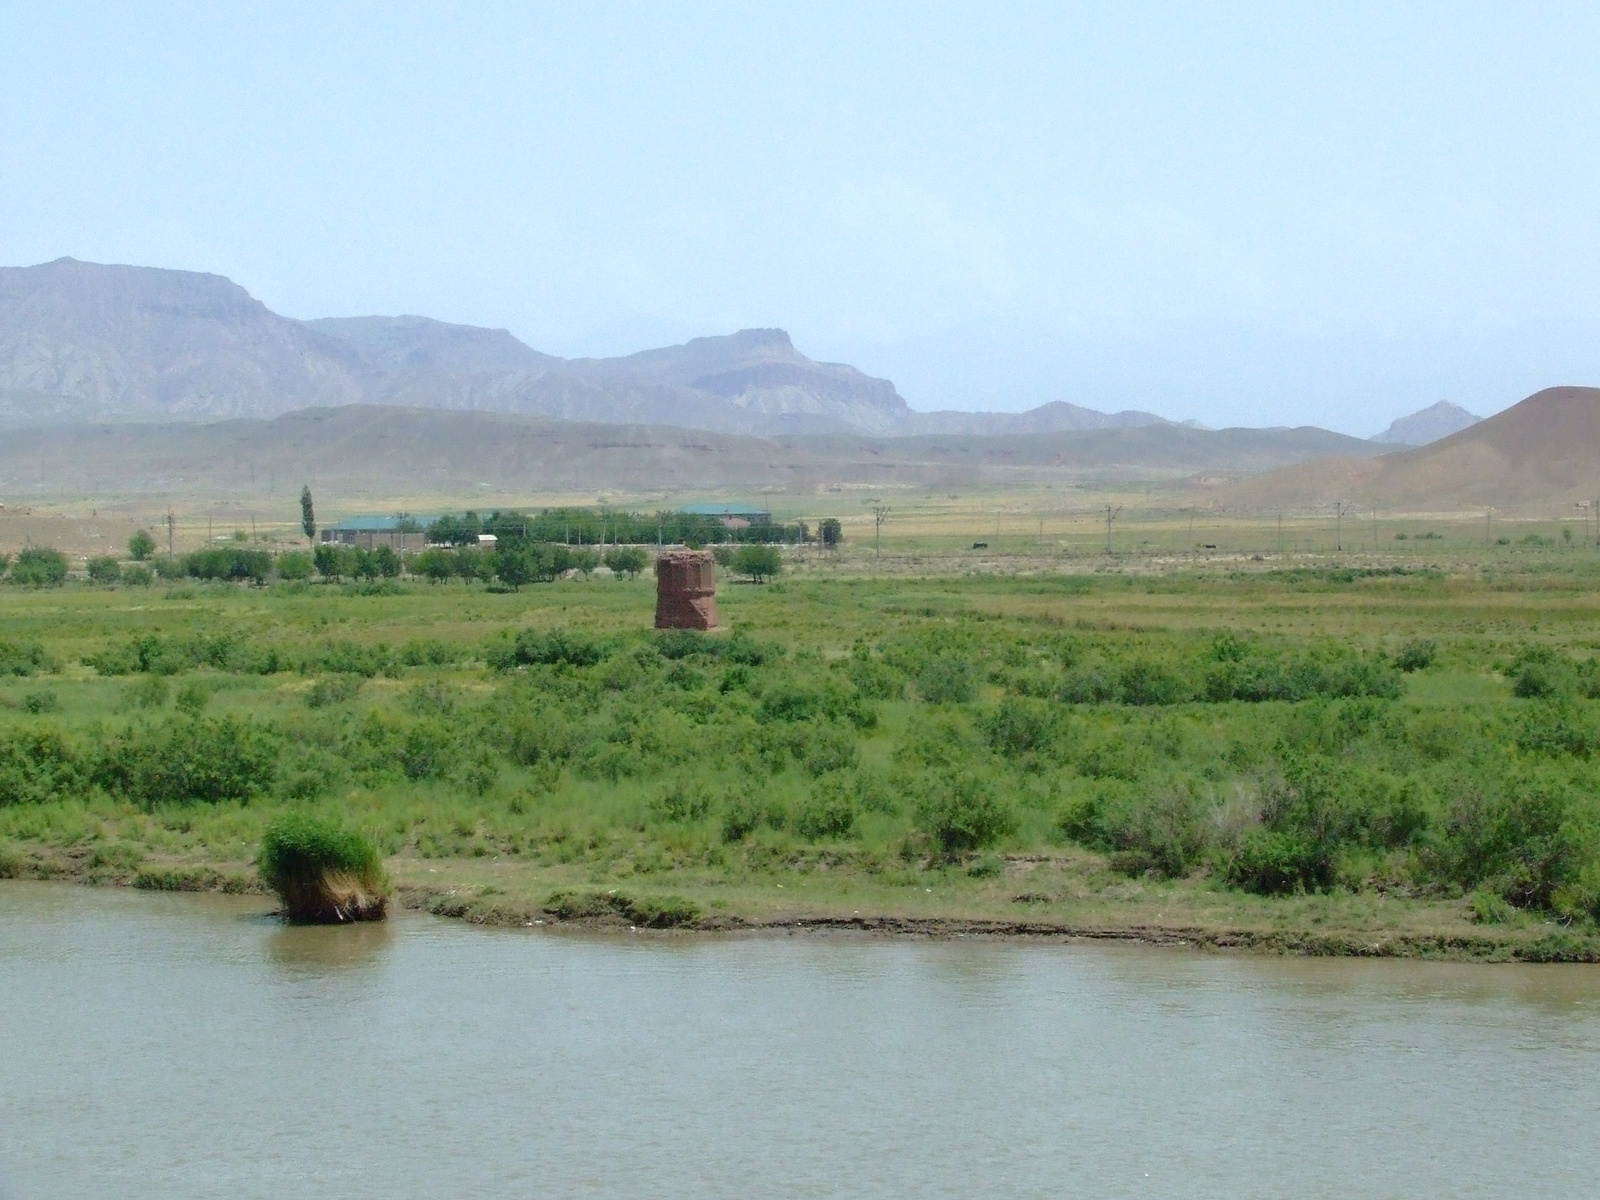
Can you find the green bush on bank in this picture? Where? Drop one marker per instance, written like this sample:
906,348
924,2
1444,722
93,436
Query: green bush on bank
322,870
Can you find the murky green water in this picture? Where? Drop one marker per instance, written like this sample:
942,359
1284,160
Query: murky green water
169,1046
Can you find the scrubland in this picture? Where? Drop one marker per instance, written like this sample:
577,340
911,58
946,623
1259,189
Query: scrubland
1364,755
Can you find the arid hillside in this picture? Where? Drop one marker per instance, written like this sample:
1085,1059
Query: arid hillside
366,450
1539,455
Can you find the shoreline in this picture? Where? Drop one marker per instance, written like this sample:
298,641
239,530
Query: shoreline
1549,948
480,905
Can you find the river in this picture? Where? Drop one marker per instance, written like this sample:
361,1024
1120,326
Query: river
189,1046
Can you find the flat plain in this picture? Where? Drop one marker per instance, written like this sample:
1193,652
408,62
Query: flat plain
1384,750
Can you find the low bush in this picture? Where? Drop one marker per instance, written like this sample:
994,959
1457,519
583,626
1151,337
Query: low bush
681,801
826,814
25,658
961,812
190,761
1416,655
38,566
105,570
38,765
329,690
322,871
556,646
1270,863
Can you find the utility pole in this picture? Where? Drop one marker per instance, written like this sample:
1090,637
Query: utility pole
1374,530
1111,515
880,513
170,524
1339,510
1280,531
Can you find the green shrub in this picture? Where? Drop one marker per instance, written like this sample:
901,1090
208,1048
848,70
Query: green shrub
188,761
760,562
333,689
192,698
40,702
946,679
742,815
349,658
675,644
428,750
429,652
229,563
39,566
25,658
1270,863
874,678
295,566
1556,727
105,570
1017,727
37,765
137,576
681,801
826,747
960,811
826,814
578,906
549,648
322,871
1416,655
1147,829
141,546
661,912
627,560
1538,673
149,692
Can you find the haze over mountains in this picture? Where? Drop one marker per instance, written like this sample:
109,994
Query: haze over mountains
87,341
97,363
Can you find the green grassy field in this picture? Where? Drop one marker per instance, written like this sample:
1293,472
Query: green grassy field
1389,754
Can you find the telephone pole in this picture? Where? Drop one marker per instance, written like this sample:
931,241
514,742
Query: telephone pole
1339,510
880,513
1111,515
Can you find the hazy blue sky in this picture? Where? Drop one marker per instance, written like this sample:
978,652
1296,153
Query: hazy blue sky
1247,214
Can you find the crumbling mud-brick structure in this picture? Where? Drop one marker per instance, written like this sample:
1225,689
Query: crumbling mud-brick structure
686,590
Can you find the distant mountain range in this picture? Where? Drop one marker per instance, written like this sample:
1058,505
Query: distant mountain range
1428,425
89,342
85,341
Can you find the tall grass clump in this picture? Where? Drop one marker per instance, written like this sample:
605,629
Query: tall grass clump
325,873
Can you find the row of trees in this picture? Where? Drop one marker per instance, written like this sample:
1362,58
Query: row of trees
576,527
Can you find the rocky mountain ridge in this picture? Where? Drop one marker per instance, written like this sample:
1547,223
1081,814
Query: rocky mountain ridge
86,341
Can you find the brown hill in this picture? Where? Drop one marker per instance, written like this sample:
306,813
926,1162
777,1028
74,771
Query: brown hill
1540,454
368,450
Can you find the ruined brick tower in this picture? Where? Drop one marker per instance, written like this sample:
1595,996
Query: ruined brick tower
686,590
